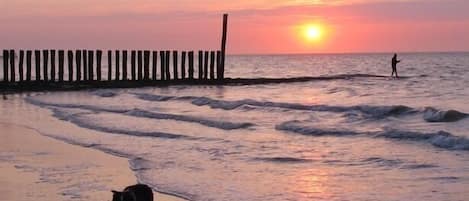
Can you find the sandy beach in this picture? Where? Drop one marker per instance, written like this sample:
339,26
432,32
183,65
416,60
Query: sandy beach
35,167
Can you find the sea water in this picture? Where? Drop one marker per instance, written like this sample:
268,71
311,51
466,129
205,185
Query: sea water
354,138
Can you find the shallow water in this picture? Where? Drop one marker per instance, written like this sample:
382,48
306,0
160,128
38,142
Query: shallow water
363,138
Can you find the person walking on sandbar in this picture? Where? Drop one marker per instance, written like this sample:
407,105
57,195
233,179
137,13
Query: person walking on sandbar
394,65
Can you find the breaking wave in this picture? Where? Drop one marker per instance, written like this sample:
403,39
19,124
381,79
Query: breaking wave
225,125
434,115
439,139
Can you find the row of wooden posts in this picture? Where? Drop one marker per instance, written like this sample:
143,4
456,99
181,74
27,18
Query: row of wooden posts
211,64
81,65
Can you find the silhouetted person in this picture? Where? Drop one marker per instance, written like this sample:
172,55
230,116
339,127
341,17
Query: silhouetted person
394,65
138,192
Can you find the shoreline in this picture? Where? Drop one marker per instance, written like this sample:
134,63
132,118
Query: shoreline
37,167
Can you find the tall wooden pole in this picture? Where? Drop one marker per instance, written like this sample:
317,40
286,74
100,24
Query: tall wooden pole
223,46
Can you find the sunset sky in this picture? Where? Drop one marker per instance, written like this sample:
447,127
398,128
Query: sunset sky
255,26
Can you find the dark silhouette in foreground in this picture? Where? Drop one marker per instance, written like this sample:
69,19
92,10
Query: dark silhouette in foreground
394,65
138,192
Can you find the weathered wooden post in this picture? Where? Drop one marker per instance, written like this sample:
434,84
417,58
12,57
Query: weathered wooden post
20,65
52,65
109,65
91,65
78,64
162,65
146,65
219,65
29,55
99,55
37,58
183,65
85,65
12,66
139,64
6,57
206,65
191,65
70,65
223,46
45,56
154,64
117,65
61,65
212,65
201,70
175,65
167,71
124,65
132,63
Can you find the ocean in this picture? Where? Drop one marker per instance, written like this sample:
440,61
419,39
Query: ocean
357,137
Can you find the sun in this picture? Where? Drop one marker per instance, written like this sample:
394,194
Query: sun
313,32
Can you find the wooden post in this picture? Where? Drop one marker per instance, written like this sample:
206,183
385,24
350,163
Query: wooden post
12,66
219,65
146,65
37,58
29,55
206,65
162,65
91,65
109,65
85,65
191,65
70,65
117,65
139,64
20,65
52,65
175,65
78,64
212,65
61,65
201,70
99,55
132,63
6,57
124,65
45,56
154,64
223,46
167,59
183,65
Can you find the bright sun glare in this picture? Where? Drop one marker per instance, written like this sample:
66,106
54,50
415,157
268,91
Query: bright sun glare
313,32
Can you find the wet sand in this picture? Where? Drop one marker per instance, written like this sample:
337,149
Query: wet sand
36,167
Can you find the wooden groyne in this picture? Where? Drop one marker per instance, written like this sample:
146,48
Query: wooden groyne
78,67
